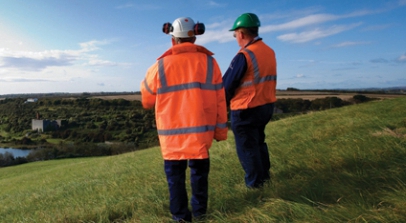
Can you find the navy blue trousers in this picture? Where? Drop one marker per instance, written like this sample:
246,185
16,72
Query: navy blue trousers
248,126
175,171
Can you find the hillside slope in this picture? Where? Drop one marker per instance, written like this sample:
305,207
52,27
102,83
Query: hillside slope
338,165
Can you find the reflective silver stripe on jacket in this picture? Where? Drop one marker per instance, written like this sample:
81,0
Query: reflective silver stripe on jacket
221,125
204,86
146,87
178,131
257,78
197,129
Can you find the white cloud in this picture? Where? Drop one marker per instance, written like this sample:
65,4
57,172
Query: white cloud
219,31
54,70
221,36
139,7
216,4
297,23
18,79
25,63
37,61
300,75
292,13
402,58
350,43
221,25
316,33
96,62
124,6
310,20
92,45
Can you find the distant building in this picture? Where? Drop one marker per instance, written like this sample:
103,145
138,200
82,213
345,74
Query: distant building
31,100
45,125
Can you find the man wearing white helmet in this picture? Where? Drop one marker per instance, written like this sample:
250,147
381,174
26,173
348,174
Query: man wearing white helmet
185,87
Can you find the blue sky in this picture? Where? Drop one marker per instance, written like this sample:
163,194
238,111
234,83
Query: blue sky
108,45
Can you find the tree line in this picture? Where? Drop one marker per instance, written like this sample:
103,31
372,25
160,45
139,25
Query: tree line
98,127
295,106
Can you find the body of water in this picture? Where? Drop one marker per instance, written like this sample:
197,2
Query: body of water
16,152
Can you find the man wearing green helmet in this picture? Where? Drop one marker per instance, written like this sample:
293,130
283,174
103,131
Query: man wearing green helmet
246,20
250,85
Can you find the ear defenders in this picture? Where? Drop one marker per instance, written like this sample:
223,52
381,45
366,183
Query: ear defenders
167,28
198,28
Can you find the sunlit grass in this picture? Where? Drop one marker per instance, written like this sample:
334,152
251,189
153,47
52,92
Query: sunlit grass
55,141
340,165
2,132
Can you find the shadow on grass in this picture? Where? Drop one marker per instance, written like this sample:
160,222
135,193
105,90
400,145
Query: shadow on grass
351,179
348,180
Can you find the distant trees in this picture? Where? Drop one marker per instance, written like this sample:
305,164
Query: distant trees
298,105
96,127
75,150
359,98
88,120
293,105
327,103
7,159
71,150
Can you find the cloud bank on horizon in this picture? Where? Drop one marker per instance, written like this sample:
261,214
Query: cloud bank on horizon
64,46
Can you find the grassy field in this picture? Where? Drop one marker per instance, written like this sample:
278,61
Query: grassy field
339,165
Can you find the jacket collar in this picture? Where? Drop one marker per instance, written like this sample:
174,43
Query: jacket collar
185,48
253,41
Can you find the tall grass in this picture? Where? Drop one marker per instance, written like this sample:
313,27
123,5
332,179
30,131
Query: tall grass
339,165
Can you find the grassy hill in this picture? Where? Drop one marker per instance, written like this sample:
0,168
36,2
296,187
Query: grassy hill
338,165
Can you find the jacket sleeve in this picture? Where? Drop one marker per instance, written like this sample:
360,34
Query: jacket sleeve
221,129
234,74
149,87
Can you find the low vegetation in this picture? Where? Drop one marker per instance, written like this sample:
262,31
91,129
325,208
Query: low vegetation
338,165
103,125
93,127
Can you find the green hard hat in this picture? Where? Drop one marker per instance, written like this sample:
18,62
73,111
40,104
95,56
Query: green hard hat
246,20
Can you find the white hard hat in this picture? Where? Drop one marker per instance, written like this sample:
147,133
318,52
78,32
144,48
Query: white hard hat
183,27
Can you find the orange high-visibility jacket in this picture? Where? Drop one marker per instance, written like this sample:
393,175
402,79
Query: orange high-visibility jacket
185,86
258,86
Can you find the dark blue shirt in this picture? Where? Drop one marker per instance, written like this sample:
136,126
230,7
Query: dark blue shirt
234,74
